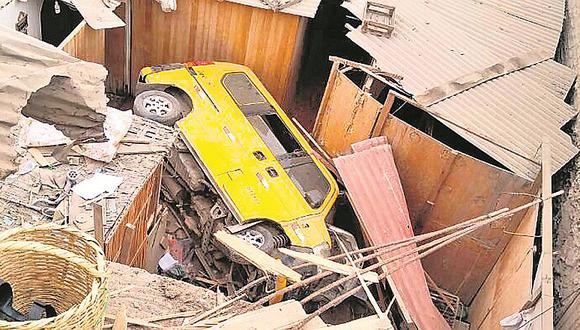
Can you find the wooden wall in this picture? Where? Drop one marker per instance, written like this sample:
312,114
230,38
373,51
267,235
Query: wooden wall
347,115
115,56
442,186
509,285
85,43
220,31
143,207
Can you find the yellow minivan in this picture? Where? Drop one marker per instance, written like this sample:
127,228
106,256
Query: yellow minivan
258,162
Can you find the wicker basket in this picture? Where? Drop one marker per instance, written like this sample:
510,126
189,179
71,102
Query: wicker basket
59,266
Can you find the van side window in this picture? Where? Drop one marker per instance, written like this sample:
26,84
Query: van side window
299,166
247,97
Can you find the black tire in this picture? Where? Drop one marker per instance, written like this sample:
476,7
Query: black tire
267,245
159,106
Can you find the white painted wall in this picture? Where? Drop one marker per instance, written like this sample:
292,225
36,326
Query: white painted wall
9,10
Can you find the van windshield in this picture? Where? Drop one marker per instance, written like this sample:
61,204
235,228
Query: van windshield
299,166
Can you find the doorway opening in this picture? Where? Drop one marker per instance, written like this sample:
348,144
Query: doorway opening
58,19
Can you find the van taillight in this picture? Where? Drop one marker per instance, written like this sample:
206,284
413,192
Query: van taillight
197,63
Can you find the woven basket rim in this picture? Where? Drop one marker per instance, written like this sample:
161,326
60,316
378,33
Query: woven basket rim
99,274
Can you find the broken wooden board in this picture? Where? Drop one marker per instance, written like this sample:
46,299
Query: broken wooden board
330,265
40,158
277,316
121,319
256,256
133,149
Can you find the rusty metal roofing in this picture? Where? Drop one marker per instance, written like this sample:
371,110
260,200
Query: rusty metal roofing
436,41
306,8
508,117
373,184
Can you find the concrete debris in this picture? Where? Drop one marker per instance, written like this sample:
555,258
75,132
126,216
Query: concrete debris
46,84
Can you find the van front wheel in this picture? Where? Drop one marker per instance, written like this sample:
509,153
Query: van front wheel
159,106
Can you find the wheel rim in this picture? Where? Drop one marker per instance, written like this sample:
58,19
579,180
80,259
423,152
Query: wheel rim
253,237
157,105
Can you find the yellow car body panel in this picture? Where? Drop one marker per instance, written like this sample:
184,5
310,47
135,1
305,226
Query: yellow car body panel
223,140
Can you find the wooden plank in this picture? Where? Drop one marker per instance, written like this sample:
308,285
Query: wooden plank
347,117
439,195
336,267
509,285
323,112
256,256
98,217
126,245
277,316
121,319
85,43
547,284
39,157
134,149
132,320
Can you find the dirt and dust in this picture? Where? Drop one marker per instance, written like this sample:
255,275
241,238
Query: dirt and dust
147,296
567,221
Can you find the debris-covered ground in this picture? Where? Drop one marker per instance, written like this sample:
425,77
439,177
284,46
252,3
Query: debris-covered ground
567,230
148,296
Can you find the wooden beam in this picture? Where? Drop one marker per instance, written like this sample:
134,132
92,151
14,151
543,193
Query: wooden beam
98,218
369,69
256,256
547,285
121,319
336,267
127,243
322,110
39,157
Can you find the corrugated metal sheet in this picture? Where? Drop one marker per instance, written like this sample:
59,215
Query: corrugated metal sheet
373,184
508,117
437,41
547,13
306,8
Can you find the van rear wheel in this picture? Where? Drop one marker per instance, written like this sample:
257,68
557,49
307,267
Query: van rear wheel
159,106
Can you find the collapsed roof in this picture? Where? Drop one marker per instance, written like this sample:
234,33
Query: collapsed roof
505,113
47,84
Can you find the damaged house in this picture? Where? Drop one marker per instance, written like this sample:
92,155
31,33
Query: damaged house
466,112
421,200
